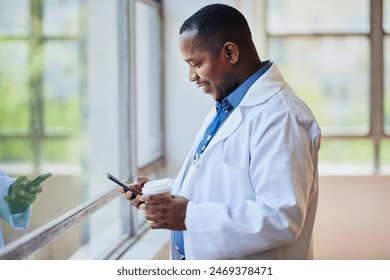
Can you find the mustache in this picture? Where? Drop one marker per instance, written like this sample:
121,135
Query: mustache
201,84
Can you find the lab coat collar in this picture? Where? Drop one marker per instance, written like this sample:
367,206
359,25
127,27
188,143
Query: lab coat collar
270,83
266,86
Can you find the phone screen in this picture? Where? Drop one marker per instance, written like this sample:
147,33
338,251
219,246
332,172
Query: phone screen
39,179
126,187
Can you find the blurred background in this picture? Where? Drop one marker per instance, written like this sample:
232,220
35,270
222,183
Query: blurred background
95,86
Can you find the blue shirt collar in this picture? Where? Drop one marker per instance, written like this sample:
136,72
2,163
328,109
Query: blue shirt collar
233,100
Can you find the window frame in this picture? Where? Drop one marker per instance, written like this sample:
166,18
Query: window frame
376,37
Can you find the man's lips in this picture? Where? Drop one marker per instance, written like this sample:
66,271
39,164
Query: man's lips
202,85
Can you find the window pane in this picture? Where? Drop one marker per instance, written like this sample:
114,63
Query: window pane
384,156
359,151
386,15
14,98
14,17
62,87
332,75
62,18
61,151
60,194
385,151
303,16
15,151
386,104
104,230
91,239
148,84
63,247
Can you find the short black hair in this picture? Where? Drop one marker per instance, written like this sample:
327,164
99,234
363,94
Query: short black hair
217,24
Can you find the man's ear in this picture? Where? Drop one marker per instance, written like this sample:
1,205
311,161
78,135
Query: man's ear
231,51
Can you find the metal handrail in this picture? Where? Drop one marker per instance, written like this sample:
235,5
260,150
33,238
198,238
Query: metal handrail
38,238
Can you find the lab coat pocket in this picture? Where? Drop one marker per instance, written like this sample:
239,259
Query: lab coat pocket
233,183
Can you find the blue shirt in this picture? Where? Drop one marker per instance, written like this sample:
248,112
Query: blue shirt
224,109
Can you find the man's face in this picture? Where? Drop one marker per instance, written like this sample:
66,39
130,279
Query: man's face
210,71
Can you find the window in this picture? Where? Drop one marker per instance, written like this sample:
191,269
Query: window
42,88
42,66
75,93
148,83
333,61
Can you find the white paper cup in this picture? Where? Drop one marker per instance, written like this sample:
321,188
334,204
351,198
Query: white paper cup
160,187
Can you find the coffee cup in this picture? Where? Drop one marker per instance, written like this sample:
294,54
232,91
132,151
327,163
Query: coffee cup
160,187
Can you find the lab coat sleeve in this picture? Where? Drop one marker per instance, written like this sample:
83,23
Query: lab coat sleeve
281,172
17,220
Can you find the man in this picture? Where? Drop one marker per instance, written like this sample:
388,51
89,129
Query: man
16,197
249,186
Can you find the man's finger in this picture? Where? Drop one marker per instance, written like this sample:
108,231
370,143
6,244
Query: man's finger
152,218
23,195
35,189
152,199
136,201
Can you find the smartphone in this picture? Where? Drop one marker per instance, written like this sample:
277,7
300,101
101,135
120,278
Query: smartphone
134,192
39,179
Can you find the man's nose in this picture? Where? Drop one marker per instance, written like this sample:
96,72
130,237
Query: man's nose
193,76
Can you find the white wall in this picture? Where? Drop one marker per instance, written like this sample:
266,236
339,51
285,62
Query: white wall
185,105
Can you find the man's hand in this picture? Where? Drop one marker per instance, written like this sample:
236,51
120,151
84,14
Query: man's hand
165,212
138,185
21,194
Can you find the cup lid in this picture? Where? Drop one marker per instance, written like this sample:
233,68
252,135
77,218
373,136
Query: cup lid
157,186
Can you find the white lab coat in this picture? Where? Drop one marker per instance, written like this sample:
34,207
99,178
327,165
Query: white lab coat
16,221
253,193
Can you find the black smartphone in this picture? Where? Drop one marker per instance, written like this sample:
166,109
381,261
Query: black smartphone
134,192
39,179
